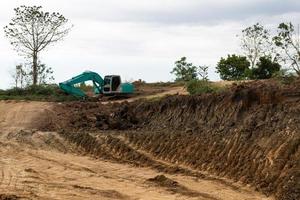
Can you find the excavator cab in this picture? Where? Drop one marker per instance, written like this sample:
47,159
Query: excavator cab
111,84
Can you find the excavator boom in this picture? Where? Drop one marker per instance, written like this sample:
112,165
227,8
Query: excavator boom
68,86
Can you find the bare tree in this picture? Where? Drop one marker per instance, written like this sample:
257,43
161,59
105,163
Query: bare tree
288,40
32,30
203,72
45,74
19,75
256,42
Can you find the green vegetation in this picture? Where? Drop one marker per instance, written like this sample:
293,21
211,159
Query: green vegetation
263,55
236,67
233,67
184,71
36,93
266,68
201,87
195,78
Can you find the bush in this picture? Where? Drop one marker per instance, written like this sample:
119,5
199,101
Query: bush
38,92
201,87
233,67
265,68
32,90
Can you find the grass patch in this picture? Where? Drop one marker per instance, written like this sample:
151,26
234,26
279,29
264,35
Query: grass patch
37,93
195,87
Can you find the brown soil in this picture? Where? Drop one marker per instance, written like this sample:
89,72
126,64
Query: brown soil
174,186
178,146
249,134
8,197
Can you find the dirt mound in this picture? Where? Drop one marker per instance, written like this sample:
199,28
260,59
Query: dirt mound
162,180
175,187
170,185
249,133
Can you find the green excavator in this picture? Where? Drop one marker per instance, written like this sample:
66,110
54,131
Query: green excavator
110,85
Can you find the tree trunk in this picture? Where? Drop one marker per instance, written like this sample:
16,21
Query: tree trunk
34,69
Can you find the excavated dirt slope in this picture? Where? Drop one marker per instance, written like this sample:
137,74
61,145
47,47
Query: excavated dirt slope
249,134
178,147
37,164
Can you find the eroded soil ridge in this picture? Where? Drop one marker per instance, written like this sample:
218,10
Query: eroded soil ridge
249,133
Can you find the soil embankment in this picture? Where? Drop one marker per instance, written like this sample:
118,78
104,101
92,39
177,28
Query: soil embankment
174,147
248,134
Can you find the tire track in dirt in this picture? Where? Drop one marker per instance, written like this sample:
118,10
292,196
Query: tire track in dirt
186,169
38,174
114,148
174,186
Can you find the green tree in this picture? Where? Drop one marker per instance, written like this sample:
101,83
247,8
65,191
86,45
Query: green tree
288,40
32,30
255,43
184,71
265,68
233,67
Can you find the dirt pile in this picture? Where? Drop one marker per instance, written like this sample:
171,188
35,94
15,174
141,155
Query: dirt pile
249,133
173,186
91,116
164,181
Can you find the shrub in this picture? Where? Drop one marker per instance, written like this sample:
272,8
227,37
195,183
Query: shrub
201,87
265,68
38,92
33,90
233,67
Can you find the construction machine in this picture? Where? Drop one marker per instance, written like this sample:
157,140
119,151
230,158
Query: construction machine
110,85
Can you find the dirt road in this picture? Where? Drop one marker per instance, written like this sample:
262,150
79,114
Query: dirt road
42,165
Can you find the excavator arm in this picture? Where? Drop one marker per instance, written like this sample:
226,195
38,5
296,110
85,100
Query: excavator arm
68,86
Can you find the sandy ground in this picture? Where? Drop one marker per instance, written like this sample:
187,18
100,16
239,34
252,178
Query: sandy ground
41,165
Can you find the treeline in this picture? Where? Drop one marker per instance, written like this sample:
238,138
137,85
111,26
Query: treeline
264,54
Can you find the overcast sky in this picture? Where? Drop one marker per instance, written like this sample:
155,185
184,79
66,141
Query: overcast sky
141,39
